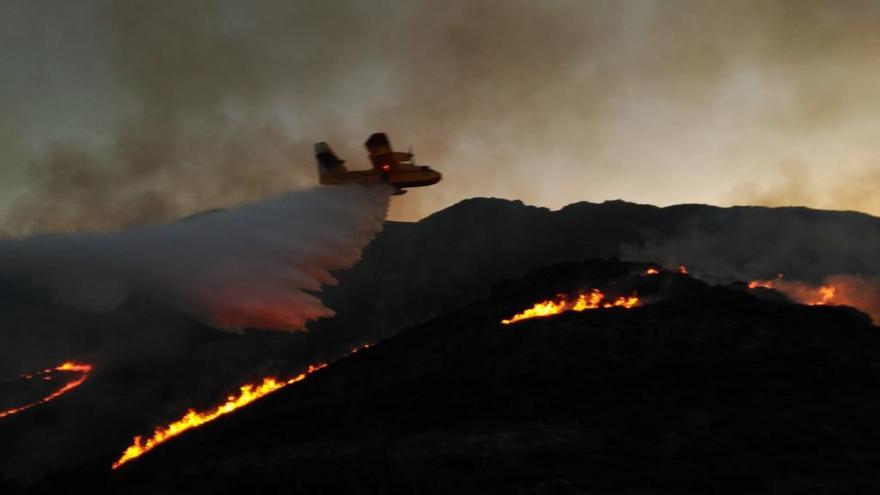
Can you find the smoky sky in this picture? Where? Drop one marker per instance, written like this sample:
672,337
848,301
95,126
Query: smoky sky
124,113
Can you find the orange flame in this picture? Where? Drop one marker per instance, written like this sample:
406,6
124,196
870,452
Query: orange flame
652,271
766,284
826,292
193,419
682,269
46,374
594,300
798,291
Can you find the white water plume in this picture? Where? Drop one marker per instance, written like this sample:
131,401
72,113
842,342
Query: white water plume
250,266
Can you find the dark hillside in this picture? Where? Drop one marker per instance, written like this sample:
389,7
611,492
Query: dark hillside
415,271
705,390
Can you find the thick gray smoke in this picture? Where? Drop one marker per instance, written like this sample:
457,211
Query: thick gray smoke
250,266
750,243
810,248
144,111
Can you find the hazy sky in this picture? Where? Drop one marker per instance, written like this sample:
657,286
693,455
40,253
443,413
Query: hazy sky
118,113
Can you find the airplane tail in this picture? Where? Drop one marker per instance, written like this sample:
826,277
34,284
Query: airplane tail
328,162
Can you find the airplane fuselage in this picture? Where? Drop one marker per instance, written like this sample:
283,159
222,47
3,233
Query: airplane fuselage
417,177
390,167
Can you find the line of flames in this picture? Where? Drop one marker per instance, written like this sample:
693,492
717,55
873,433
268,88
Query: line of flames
595,299
192,419
69,366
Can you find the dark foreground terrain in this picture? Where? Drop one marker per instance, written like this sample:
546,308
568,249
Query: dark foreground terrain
457,380
701,390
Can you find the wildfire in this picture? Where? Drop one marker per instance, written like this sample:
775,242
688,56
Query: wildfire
766,284
652,271
827,294
682,269
48,375
858,292
193,419
803,293
594,300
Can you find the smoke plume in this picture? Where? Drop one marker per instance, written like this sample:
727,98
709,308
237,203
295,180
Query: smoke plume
133,112
810,248
250,266
847,290
847,189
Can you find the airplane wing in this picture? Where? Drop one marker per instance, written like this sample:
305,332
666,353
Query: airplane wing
380,152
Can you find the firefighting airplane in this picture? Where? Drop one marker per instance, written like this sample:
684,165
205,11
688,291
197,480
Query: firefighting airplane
389,167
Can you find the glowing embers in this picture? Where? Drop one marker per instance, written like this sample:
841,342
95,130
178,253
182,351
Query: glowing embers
656,271
595,299
193,419
764,284
49,374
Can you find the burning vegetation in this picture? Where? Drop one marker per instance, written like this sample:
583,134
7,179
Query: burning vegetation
192,419
49,374
800,292
688,342
842,290
595,299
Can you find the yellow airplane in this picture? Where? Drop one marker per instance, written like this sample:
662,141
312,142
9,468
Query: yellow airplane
389,167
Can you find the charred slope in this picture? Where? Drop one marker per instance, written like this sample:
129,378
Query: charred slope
706,390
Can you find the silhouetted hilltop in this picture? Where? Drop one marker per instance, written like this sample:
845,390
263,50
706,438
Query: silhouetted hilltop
414,271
